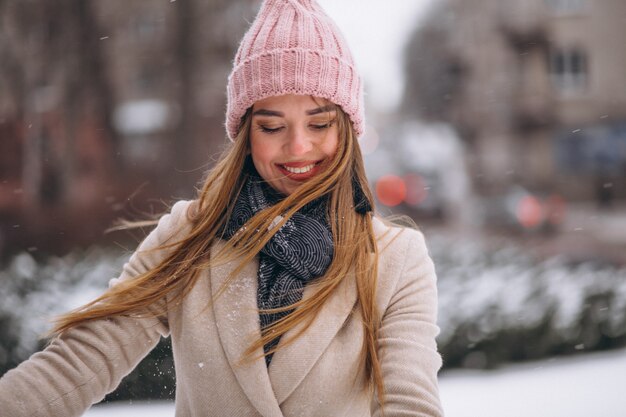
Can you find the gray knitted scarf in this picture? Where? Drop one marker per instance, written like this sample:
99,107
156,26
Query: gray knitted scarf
299,252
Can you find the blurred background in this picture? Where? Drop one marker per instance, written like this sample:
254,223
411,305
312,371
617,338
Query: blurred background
499,126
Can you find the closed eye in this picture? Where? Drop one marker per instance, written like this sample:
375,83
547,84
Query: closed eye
266,129
323,126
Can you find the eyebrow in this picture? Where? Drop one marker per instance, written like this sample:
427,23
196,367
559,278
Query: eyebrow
274,113
323,109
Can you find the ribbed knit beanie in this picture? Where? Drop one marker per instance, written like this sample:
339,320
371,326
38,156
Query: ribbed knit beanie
293,47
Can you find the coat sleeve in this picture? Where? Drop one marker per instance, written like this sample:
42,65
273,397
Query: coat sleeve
85,363
407,346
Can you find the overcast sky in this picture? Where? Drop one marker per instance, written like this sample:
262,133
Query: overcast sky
377,32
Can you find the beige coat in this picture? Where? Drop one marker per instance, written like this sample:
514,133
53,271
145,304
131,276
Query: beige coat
317,375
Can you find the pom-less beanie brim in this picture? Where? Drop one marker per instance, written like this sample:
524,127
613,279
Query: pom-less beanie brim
314,74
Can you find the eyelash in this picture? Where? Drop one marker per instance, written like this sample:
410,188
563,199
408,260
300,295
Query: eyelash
271,130
324,126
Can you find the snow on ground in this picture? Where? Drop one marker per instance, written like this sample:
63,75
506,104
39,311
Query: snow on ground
587,385
143,409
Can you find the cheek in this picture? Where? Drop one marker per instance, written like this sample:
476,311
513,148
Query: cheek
262,155
331,144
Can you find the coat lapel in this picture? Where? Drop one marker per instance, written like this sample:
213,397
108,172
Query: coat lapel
237,319
300,356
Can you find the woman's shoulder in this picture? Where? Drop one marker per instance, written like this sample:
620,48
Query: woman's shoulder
177,221
183,210
172,227
403,259
395,237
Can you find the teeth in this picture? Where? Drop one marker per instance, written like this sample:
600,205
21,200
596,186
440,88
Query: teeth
299,170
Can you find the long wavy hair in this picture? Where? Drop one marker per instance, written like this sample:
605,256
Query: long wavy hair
355,249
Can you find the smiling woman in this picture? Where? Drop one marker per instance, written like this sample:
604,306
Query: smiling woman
292,139
283,293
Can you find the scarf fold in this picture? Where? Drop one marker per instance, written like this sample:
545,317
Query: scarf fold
300,251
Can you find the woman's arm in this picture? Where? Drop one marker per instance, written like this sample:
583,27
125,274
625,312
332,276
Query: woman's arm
407,346
86,362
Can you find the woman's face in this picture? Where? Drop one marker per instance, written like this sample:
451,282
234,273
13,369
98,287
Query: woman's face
292,139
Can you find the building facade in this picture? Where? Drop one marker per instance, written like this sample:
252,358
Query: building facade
541,91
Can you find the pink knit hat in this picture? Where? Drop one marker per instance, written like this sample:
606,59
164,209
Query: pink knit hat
293,47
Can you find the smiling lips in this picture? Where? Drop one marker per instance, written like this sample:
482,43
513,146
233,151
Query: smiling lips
299,171
296,170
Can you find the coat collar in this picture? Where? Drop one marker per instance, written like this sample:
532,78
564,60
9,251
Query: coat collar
291,363
237,320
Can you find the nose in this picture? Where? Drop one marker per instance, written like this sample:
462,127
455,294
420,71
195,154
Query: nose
299,143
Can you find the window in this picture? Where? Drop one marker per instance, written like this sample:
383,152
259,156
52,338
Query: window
147,79
594,150
147,27
568,70
567,6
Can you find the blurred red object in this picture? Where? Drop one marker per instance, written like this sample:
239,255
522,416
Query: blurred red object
391,190
530,212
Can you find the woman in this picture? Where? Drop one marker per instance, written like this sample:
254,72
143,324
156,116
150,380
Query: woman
282,293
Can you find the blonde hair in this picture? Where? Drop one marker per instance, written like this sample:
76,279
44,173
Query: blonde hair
355,249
